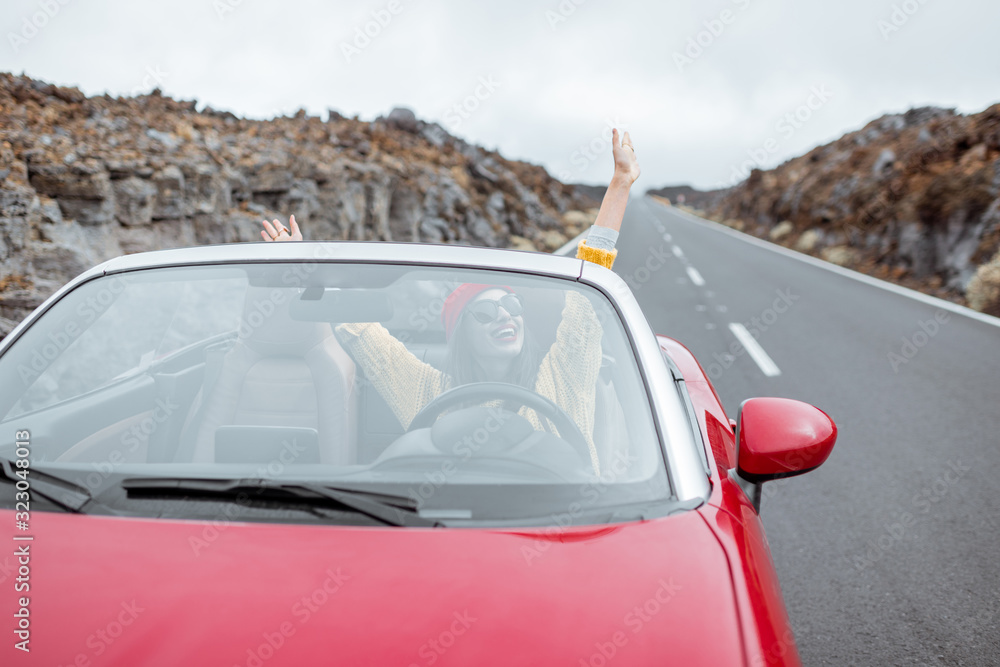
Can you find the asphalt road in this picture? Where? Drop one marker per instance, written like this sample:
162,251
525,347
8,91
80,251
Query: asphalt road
889,554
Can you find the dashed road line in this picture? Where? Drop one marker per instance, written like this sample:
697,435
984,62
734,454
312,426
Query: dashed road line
753,348
695,276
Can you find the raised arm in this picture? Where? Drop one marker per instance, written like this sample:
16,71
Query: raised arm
599,246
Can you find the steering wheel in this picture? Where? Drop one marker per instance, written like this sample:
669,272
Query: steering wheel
484,391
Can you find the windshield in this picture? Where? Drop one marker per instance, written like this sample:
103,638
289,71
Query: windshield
481,396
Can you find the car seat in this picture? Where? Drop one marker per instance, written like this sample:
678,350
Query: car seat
281,372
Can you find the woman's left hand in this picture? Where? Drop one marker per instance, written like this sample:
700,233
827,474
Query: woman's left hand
278,232
626,164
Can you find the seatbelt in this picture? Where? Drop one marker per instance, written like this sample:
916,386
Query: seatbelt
214,356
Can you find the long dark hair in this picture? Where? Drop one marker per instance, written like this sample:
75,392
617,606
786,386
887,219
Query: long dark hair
462,367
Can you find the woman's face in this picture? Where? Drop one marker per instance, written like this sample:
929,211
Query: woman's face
503,337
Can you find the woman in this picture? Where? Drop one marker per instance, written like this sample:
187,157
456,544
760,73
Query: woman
487,339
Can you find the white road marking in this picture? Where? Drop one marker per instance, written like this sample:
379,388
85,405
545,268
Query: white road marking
753,348
677,251
695,276
667,237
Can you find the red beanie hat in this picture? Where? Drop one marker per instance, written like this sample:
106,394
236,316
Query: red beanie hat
458,300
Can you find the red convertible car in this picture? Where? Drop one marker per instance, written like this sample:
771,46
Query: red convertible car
380,454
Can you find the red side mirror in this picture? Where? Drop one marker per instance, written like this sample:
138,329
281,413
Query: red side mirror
779,437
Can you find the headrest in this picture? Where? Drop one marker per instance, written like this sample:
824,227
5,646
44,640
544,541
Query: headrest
268,329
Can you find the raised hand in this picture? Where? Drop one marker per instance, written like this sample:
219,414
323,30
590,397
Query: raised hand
616,196
626,164
278,232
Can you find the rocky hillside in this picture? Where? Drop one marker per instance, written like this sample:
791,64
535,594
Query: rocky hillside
86,179
912,197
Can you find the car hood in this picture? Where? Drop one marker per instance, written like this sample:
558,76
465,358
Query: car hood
144,591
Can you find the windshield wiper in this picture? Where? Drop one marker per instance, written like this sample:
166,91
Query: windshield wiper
59,491
392,510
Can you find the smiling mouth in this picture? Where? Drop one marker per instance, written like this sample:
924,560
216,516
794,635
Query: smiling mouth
505,334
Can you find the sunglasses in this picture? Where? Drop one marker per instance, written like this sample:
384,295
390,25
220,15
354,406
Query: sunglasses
488,310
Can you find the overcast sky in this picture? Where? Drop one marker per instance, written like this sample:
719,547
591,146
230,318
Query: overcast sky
704,87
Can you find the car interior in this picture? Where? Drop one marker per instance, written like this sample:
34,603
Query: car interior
243,398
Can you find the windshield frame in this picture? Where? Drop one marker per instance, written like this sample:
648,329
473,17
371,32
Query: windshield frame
677,442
